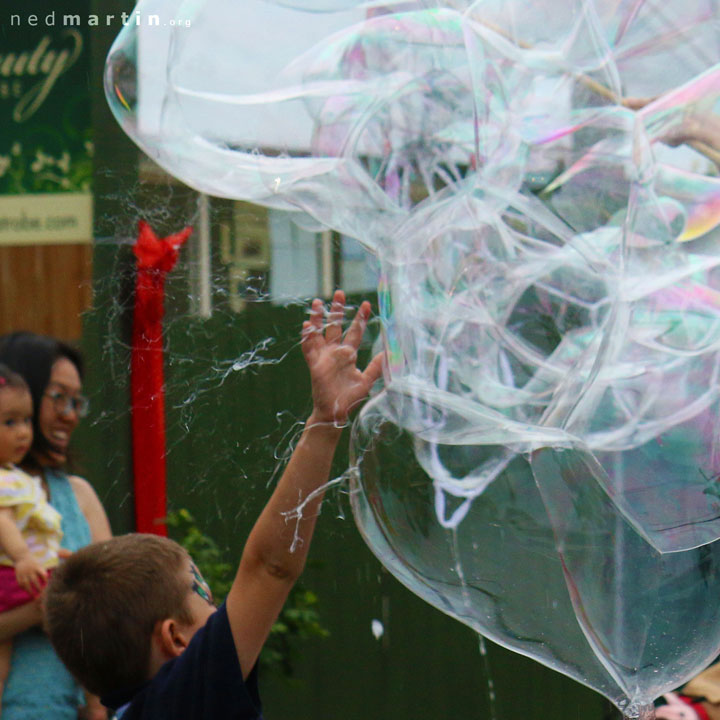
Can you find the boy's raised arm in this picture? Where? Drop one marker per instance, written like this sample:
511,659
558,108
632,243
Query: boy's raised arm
268,567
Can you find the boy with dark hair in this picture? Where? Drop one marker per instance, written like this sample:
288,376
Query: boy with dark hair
133,619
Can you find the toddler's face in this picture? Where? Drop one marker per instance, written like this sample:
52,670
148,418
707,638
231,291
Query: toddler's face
15,424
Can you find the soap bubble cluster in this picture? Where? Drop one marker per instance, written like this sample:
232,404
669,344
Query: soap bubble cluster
539,183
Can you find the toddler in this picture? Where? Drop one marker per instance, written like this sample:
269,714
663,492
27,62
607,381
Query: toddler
30,531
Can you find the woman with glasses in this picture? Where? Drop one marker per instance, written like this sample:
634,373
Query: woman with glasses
38,685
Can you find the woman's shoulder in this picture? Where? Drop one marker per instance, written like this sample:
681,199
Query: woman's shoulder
91,507
79,484
84,493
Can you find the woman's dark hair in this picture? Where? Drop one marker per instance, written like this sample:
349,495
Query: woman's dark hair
33,356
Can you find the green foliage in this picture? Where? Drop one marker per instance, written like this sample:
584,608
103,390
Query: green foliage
299,619
218,573
39,169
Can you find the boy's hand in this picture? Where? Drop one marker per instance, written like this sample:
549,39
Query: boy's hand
31,575
337,383
675,709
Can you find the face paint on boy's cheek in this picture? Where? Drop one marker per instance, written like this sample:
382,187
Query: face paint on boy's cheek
200,586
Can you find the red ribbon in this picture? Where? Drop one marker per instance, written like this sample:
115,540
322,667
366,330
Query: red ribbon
155,258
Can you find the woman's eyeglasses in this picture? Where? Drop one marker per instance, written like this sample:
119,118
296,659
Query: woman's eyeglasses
65,404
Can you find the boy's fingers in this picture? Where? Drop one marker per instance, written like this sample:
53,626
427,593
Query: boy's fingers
311,335
333,333
672,713
374,369
309,340
357,328
316,314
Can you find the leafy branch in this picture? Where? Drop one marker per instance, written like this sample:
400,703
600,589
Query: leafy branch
299,619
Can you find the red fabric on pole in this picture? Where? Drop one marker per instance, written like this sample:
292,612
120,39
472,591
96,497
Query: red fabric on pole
155,258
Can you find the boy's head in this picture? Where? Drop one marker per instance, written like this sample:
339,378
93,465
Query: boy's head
117,609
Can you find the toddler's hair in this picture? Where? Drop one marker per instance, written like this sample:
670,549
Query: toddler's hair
103,602
10,379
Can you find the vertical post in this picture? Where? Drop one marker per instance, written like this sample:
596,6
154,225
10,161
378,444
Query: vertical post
201,277
156,257
327,275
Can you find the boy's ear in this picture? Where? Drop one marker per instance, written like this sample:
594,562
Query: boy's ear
169,639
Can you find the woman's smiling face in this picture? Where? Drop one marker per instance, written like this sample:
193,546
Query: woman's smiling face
56,421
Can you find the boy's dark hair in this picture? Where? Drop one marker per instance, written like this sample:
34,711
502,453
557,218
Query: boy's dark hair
33,356
11,379
102,604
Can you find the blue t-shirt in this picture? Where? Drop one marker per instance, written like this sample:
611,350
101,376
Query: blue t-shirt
204,683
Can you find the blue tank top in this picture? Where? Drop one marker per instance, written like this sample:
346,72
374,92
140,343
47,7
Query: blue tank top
39,687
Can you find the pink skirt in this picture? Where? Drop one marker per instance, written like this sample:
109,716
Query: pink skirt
11,594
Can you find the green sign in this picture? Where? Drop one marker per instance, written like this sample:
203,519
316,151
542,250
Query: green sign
45,121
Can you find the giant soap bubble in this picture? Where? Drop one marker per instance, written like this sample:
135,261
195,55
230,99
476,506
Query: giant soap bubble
539,181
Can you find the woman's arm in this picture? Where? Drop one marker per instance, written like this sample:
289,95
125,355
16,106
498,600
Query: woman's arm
19,619
94,513
91,508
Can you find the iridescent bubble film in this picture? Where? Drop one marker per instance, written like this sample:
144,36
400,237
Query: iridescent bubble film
539,183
